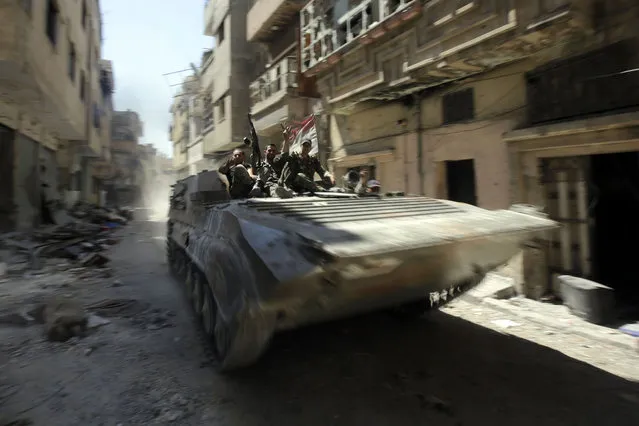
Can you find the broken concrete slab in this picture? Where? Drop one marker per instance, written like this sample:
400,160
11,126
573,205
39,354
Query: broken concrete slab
587,299
495,286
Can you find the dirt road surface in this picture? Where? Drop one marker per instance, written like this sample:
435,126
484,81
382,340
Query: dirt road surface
148,366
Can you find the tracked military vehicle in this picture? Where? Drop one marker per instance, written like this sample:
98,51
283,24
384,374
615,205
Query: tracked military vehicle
253,267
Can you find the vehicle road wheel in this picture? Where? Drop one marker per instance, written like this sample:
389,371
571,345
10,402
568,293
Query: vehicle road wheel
197,297
239,343
188,282
209,312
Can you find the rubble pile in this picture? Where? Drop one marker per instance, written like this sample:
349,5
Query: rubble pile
80,234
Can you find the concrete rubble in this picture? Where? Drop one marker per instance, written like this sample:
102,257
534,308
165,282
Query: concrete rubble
35,265
80,234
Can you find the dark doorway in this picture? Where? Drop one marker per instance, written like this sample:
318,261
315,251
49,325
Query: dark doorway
7,208
614,206
460,180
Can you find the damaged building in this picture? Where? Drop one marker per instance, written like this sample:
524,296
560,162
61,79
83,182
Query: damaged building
208,127
125,185
489,103
52,101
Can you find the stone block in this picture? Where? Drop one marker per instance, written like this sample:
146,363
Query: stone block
587,299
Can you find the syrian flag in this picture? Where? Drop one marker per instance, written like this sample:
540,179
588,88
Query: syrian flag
301,131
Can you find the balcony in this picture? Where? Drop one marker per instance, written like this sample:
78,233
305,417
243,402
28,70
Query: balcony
35,72
274,96
600,79
387,49
107,84
266,17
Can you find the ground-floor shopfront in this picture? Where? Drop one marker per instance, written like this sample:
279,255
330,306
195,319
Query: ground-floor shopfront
586,175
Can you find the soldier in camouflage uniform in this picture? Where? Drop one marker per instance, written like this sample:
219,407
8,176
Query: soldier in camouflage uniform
300,170
239,174
268,175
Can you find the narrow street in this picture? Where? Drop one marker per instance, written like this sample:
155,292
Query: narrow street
149,366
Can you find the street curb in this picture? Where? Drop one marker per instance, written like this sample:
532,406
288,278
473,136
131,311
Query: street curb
620,340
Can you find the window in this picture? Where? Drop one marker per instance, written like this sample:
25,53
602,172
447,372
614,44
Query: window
208,111
459,106
220,33
72,61
221,108
96,116
53,14
278,78
83,82
84,14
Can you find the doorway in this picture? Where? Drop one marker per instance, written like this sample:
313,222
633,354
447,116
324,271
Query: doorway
460,181
7,147
614,204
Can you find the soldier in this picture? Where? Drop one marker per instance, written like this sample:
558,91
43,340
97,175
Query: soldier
239,175
374,187
301,168
361,187
269,171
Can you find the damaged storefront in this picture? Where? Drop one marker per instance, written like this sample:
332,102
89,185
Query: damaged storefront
581,161
28,180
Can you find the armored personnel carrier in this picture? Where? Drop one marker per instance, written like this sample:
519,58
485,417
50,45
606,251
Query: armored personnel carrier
253,267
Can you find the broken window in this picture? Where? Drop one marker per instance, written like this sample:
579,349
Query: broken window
459,106
208,111
53,15
72,61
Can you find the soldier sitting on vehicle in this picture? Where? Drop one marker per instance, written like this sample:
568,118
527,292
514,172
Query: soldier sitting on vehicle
268,174
361,188
239,175
374,187
300,169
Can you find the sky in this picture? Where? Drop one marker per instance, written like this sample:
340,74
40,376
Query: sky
146,39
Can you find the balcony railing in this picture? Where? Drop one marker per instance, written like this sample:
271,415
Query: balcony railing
323,34
278,78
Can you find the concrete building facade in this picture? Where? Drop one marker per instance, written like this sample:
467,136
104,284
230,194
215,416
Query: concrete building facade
124,185
210,112
183,130
281,93
50,93
489,103
226,78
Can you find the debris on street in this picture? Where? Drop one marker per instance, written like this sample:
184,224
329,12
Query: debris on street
80,234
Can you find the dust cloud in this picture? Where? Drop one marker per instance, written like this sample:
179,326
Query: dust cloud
155,197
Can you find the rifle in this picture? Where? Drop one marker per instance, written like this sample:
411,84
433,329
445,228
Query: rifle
254,142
